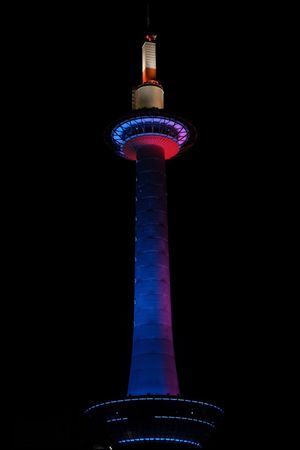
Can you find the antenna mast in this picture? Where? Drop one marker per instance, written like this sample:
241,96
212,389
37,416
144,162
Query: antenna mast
148,16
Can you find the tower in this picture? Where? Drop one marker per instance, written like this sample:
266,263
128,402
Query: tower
154,413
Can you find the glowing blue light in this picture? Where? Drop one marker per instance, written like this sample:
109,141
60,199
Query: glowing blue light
119,419
197,402
143,439
139,126
187,418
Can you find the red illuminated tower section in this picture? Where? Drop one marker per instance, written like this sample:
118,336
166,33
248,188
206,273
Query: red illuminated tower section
153,413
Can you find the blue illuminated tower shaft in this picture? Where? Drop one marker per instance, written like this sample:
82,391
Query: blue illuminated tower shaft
153,369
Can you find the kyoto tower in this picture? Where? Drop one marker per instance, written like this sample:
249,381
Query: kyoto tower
154,414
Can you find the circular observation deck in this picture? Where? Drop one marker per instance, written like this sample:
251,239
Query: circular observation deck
154,422
151,127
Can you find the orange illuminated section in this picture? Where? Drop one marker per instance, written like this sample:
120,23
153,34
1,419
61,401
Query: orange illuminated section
149,59
149,74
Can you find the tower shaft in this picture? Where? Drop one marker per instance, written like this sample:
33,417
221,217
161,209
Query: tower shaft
153,368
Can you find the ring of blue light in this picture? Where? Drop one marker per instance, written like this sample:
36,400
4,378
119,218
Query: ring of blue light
137,399
150,125
158,439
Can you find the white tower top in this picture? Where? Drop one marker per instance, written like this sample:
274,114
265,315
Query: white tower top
149,59
150,93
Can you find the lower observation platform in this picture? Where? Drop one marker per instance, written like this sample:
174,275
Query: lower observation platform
153,422
151,127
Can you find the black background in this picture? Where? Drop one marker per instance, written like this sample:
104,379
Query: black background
72,221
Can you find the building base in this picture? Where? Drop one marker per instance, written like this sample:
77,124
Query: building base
153,422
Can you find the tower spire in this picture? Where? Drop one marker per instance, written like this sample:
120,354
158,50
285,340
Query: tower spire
148,16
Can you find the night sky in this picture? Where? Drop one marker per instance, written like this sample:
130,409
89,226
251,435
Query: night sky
71,296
